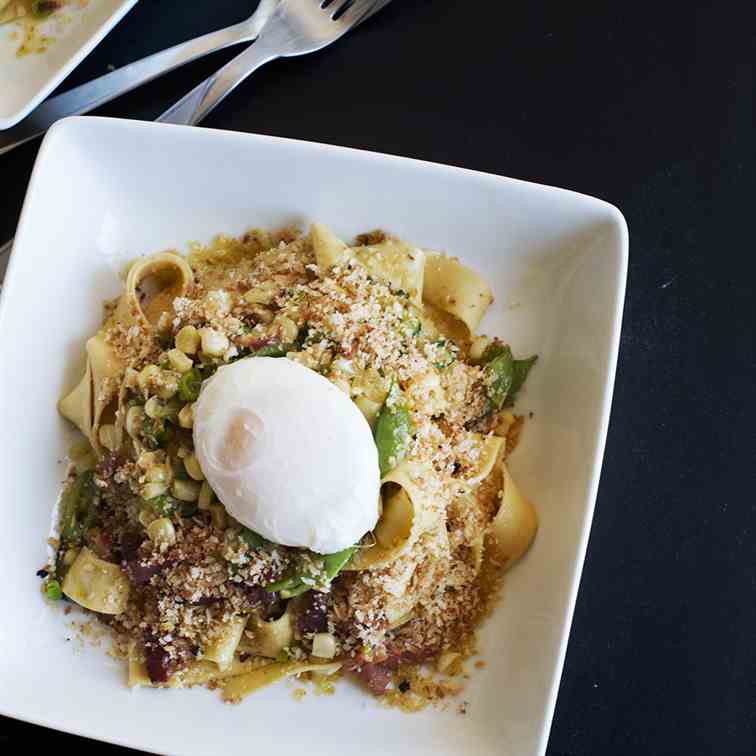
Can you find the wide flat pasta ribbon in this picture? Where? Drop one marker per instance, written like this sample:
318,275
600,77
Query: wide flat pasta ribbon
96,397
408,512
456,289
399,265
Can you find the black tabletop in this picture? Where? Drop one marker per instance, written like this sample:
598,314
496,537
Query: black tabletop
652,110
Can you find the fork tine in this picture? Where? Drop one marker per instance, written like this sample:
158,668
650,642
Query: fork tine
356,11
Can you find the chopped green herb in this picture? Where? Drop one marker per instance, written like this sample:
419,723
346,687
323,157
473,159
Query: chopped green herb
190,385
163,505
447,353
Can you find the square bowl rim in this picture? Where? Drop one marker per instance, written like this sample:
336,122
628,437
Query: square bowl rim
69,126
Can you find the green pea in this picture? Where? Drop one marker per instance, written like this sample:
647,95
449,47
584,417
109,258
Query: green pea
447,353
392,434
53,590
190,385
284,584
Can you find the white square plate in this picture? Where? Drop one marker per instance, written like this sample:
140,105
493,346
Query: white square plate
74,32
104,191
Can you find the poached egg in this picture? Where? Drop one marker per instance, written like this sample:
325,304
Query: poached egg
288,454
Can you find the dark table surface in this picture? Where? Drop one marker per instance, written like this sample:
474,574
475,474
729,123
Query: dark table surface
652,110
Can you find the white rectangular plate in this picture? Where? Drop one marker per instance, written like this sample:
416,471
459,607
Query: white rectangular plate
74,32
104,191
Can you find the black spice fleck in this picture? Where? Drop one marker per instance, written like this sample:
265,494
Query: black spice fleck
42,573
404,686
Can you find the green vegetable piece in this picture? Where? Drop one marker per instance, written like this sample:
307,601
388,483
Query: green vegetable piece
392,433
334,563
284,584
163,505
156,432
190,385
500,373
78,507
275,350
252,539
53,590
520,371
296,591
411,325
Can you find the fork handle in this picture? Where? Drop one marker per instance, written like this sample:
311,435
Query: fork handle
195,105
97,92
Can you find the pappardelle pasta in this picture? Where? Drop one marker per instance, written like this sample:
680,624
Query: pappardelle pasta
295,463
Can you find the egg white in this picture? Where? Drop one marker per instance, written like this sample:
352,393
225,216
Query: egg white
288,454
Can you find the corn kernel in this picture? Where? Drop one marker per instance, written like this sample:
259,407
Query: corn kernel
168,385
186,490
151,490
214,343
153,408
262,294
188,340
323,645
218,516
162,532
179,361
193,467
287,329
107,436
158,474
134,420
148,377
206,496
186,416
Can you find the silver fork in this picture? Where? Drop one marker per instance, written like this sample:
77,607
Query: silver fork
294,27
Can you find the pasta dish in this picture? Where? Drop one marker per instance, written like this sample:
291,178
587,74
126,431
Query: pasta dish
294,464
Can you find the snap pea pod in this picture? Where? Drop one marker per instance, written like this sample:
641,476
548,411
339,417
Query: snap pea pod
295,585
334,563
296,591
500,372
506,375
519,374
78,507
284,584
275,350
392,433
